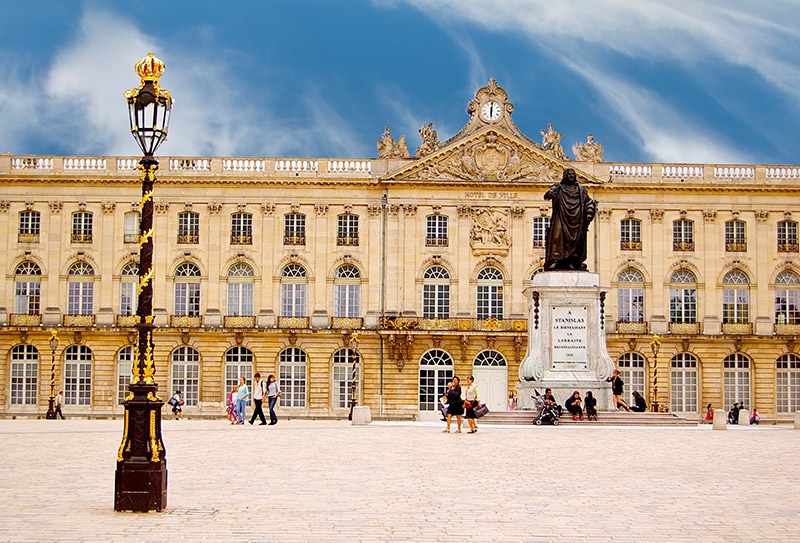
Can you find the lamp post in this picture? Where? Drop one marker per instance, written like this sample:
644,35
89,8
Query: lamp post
353,352
51,407
655,345
141,475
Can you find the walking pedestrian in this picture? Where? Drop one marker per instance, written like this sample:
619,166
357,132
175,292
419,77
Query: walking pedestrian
176,402
242,396
59,401
273,393
455,405
616,391
472,399
259,389
233,401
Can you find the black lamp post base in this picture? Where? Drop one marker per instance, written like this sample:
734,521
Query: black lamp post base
141,486
51,412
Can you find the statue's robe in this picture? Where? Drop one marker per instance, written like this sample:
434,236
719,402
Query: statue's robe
573,210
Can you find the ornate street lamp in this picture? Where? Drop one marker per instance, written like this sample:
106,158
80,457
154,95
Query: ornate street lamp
353,348
51,407
655,345
141,475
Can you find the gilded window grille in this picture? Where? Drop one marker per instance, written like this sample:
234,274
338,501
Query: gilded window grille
241,239
185,321
684,328
131,238
28,238
81,238
25,320
736,246
787,247
78,320
347,241
436,242
240,321
294,240
190,239
630,245
126,320
626,327
683,246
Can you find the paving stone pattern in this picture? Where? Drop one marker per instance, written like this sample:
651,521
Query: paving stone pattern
329,481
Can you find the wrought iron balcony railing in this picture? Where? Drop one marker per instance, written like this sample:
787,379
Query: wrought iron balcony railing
626,327
736,246
189,239
240,321
242,239
294,240
683,246
25,320
685,328
630,245
185,321
351,241
78,320
454,324
436,242
81,238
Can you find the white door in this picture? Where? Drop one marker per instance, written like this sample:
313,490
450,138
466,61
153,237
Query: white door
491,375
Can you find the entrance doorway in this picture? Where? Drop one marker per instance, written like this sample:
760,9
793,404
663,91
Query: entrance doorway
491,375
435,371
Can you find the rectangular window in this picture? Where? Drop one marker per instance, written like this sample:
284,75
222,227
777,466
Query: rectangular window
787,237
736,386
683,393
436,231
347,231
630,305
630,235
787,306
232,374
241,229
294,229
240,299
124,375
293,300
24,382
187,299
342,385
78,383
186,378
81,227
540,226
682,235
735,305
436,301
735,240
189,228
28,227
346,301
128,299
683,305
80,298
490,302
788,390
26,297
292,380
131,232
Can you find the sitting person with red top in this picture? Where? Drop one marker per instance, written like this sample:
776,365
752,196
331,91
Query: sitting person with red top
573,405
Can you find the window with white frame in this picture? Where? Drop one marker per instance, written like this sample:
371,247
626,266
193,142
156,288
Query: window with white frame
787,298
490,358
490,293
82,227
240,290
787,385
294,229
683,235
128,295
27,289
29,224
241,229
24,375
78,375
630,296
188,228
735,236
347,292
435,371
293,291
125,363
630,235
347,229
187,290
735,297
436,231
787,237
131,229
436,293
736,379
540,226
343,360
683,383
238,364
186,374
683,297
632,372
292,368
80,289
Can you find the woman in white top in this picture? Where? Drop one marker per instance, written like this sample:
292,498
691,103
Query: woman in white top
472,399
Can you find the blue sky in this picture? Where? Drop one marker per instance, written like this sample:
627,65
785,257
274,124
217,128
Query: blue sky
681,81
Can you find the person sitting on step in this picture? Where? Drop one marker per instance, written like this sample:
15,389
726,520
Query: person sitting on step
573,405
639,403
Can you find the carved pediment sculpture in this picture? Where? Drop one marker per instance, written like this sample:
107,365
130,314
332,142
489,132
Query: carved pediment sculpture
389,148
591,151
430,141
489,230
551,141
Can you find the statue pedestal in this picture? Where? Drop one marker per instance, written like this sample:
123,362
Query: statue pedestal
566,341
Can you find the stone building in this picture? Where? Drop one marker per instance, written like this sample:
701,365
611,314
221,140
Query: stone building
277,265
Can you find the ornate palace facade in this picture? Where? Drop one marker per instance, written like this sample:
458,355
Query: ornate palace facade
276,265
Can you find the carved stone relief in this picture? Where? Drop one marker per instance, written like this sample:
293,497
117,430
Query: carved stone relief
489,229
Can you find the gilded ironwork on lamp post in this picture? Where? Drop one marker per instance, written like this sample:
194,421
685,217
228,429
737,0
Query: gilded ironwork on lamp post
352,350
51,402
655,345
141,475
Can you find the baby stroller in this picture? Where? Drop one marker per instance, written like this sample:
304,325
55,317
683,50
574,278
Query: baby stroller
547,412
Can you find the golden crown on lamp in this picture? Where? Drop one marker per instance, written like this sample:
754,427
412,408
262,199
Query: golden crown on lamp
150,68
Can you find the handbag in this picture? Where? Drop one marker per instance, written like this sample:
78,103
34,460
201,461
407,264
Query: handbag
173,402
481,410
467,404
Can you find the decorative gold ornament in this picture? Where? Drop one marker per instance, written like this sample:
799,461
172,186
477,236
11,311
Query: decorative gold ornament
150,68
124,438
144,280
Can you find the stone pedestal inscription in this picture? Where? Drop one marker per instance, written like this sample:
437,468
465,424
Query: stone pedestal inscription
568,330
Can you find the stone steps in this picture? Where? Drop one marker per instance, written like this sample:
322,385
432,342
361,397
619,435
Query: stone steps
604,418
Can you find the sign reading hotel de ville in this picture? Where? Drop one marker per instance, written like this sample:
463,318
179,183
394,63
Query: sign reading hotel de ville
569,337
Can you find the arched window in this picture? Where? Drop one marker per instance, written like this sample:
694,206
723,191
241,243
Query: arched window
187,291
24,375
735,297
188,229
241,229
82,227
683,235
683,297
343,360
78,375
787,298
683,383
435,371
630,235
632,372
80,292
630,296
787,237
436,293
292,369
347,292
238,363
490,293
736,379
788,383
347,230
490,358
540,226
186,374
293,291
125,363
735,236
240,290
27,289
29,222
128,297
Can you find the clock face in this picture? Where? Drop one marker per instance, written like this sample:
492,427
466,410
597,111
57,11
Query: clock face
490,111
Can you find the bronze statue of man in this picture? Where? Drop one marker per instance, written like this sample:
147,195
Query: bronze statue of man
573,210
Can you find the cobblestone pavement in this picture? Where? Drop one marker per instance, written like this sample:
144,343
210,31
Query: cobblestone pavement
328,481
